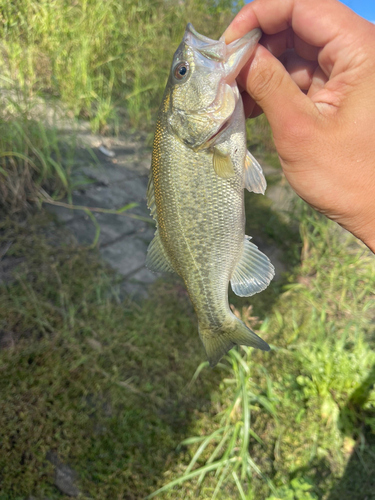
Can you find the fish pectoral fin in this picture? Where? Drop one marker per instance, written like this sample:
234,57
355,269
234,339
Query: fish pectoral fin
254,178
157,259
151,197
223,165
219,341
253,272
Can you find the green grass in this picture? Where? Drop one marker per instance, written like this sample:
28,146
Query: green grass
32,160
96,56
122,392
106,62
300,397
103,383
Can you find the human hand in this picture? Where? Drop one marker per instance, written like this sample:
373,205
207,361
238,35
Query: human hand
319,98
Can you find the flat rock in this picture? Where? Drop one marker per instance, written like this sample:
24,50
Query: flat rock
126,256
65,477
282,196
112,228
270,170
275,255
117,180
113,196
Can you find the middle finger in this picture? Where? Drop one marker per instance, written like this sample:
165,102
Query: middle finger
300,70
287,39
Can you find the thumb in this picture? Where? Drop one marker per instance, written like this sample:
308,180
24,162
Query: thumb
288,109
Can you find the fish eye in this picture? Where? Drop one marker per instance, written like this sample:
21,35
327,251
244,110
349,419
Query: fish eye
181,71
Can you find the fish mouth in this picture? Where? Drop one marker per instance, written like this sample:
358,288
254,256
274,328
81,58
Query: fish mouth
223,127
224,105
212,139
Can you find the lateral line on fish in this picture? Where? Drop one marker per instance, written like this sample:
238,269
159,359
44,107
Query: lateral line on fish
205,248
194,261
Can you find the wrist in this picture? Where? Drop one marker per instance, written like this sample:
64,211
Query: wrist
366,231
370,243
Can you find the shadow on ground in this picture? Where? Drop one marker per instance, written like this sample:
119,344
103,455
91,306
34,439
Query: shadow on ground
359,475
357,424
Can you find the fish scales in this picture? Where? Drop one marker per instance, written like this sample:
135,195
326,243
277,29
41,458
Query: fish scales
188,208
199,204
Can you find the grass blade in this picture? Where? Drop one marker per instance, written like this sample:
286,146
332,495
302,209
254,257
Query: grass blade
246,426
239,487
97,228
191,475
201,449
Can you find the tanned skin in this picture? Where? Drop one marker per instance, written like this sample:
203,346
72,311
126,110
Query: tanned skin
313,75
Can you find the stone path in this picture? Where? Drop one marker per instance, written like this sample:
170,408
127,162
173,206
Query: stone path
115,182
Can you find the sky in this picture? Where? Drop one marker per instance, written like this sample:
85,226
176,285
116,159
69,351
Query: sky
365,8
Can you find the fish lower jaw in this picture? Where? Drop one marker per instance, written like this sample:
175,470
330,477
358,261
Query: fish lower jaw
215,137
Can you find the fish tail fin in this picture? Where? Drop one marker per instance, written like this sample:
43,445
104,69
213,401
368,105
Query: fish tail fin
219,341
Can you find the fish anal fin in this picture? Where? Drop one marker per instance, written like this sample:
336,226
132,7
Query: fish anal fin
157,259
217,342
223,165
253,175
253,273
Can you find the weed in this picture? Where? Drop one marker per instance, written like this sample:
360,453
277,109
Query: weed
97,55
92,58
31,156
299,489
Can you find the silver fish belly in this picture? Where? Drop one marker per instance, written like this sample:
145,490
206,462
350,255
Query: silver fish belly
200,167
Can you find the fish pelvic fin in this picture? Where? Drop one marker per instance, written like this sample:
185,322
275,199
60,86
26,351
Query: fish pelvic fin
217,342
223,164
253,175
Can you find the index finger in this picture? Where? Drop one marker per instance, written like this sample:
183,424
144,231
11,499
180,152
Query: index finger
316,22
328,24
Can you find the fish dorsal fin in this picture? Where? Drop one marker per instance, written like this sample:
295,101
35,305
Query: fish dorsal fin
157,259
253,272
151,197
254,178
223,165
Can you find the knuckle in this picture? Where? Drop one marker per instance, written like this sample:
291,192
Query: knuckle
265,79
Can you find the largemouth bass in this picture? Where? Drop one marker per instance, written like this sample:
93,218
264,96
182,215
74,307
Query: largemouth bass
200,167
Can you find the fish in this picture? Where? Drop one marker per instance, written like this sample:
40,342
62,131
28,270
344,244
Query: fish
199,169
